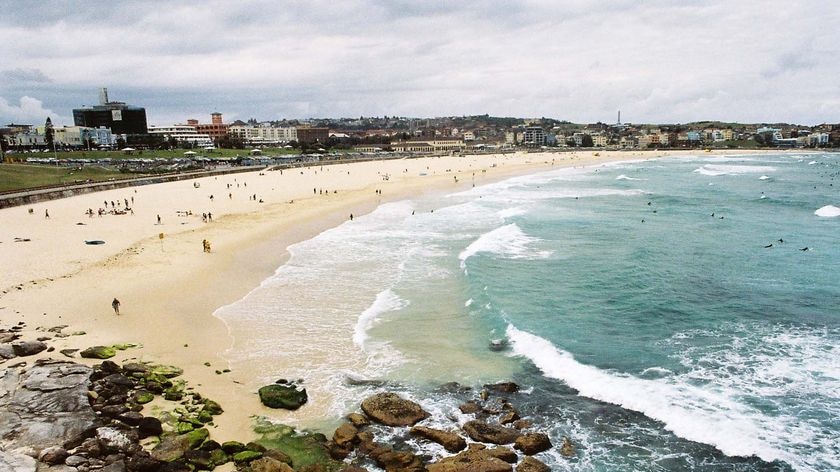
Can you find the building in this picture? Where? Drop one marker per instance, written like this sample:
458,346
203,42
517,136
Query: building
534,136
263,135
443,145
313,135
183,134
599,140
82,137
215,129
116,116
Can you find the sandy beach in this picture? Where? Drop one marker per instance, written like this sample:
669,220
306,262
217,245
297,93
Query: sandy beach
169,288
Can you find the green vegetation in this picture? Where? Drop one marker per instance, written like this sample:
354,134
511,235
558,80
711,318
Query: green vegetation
21,176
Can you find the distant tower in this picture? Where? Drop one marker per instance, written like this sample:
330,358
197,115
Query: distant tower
103,96
216,118
619,116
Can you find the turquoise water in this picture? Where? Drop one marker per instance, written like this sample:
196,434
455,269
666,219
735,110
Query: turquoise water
643,307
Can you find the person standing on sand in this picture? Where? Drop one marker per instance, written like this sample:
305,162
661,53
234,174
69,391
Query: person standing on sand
46,213
116,306
158,219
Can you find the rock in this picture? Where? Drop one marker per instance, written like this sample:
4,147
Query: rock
196,437
256,447
7,351
392,410
345,435
470,408
522,424
509,417
502,387
567,449
529,464
278,455
141,397
246,456
116,440
98,352
452,442
358,420
118,466
490,433
135,367
8,337
28,348
212,407
171,448
44,405
149,426
232,447
167,371
16,463
75,461
475,459
198,458
267,464
131,418
69,352
218,457
352,468
53,455
504,453
533,443
400,461
283,396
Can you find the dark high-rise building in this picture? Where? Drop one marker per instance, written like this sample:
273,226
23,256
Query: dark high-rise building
119,117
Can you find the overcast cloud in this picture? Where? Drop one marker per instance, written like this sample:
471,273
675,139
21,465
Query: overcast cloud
657,61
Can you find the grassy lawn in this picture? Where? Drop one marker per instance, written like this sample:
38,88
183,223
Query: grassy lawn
21,176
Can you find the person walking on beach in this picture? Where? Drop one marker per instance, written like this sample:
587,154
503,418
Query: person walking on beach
46,213
158,219
116,306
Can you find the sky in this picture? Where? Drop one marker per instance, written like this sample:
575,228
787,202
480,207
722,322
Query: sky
658,61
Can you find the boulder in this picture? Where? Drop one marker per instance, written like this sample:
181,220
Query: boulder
171,448
452,442
283,396
490,433
7,351
392,410
28,348
532,443
358,420
399,461
470,408
345,435
149,426
267,464
98,352
529,464
509,417
502,387
232,447
16,462
53,455
475,459
44,405
246,456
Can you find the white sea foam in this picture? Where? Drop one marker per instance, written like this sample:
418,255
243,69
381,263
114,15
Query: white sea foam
763,177
386,301
716,169
511,212
812,163
468,302
707,415
624,177
828,211
508,241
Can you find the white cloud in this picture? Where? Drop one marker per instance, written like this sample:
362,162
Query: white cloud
28,111
657,61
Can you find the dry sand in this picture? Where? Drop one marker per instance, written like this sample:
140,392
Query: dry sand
169,288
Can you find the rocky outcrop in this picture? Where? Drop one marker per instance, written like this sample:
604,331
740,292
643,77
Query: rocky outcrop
475,459
283,396
529,464
452,442
44,405
532,443
392,410
490,433
28,348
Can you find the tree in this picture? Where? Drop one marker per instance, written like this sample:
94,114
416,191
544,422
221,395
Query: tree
49,134
120,142
586,141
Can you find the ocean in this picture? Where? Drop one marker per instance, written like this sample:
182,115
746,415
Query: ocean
672,314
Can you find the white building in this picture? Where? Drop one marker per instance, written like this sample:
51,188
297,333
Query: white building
183,134
264,134
534,136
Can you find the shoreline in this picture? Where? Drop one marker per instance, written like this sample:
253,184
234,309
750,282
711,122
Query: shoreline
157,278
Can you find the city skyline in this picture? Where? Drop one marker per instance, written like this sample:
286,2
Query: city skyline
659,62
